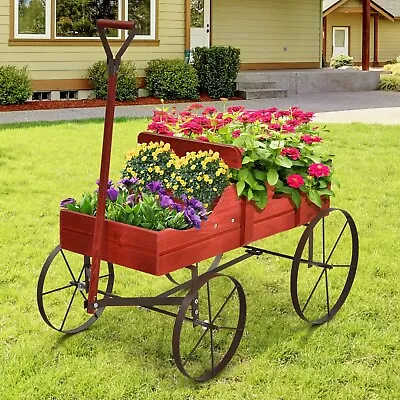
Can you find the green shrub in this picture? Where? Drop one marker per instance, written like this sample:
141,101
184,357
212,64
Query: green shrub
341,61
390,82
172,79
15,86
393,68
217,68
126,82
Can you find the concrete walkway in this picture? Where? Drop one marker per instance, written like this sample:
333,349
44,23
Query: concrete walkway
367,107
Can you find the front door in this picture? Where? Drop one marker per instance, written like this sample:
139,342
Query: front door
340,40
200,23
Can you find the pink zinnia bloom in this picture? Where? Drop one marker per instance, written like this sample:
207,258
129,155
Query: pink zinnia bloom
295,181
236,133
274,127
291,152
318,170
160,128
288,128
235,109
209,110
203,138
194,106
310,139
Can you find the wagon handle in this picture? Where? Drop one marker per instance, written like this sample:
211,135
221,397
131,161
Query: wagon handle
102,24
113,64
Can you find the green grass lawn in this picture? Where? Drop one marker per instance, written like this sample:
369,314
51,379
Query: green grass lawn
127,353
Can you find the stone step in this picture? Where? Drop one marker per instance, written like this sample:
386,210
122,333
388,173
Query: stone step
245,85
262,93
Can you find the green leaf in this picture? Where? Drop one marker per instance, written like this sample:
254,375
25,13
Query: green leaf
262,201
315,198
296,198
249,194
326,192
246,160
260,175
284,162
274,145
272,176
243,174
240,187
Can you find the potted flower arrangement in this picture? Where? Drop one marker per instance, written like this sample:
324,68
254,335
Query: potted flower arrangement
279,147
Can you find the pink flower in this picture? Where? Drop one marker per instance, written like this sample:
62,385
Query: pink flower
295,181
288,128
274,127
310,139
194,106
209,110
235,109
291,152
203,138
236,133
318,170
160,128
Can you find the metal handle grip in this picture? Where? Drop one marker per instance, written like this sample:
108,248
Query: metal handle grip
111,24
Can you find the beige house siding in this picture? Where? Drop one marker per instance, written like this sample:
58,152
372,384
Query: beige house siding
72,61
388,36
389,39
354,22
269,31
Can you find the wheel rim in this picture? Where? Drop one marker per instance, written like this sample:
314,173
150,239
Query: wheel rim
324,266
203,344
62,289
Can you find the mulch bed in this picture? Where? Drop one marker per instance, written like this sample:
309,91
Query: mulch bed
52,105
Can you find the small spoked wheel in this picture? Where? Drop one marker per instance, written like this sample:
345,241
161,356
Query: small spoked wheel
209,326
324,266
62,290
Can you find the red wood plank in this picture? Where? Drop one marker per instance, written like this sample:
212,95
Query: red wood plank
230,154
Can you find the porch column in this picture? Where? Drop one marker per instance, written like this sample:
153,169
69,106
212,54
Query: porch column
376,40
365,34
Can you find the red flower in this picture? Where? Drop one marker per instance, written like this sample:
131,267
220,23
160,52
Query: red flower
295,181
310,139
194,106
291,152
236,133
235,109
318,170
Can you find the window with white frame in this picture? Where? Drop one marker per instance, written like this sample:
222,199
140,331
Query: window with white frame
77,18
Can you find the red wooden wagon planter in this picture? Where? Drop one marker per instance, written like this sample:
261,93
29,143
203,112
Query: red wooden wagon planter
211,317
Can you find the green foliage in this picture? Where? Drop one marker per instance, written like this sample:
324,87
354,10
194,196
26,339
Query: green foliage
31,17
172,79
393,68
341,61
217,68
126,82
390,83
15,85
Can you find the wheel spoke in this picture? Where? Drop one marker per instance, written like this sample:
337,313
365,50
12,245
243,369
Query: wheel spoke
58,289
337,241
195,346
327,291
323,240
312,292
69,268
79,279
223,305
340,265
229,328
69,307
210,319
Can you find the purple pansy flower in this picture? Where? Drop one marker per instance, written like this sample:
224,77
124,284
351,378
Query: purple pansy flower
112,194
192,217
166,201
128,182
130,200
156,187
109,184
177,207
67,201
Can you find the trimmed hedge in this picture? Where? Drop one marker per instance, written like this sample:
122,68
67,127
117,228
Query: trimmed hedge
126,82
15,85
172,80
217,68
390,82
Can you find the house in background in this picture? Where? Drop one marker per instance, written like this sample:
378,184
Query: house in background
57,40
343,31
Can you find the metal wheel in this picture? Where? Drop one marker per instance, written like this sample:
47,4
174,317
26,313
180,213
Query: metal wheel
209,326
62,289
324,266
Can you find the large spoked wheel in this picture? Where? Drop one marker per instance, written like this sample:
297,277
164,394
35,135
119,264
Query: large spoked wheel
324,266
62,289
209,326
